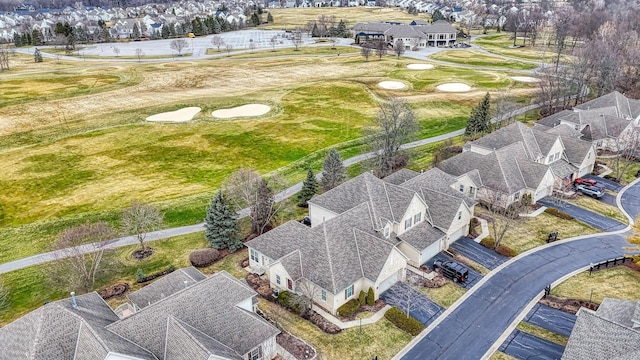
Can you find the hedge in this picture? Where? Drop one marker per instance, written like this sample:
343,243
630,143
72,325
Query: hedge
558,213
141,280
290,301
349,308
404,322
503,250
203,257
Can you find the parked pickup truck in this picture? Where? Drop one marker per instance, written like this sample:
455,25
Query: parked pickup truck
593,191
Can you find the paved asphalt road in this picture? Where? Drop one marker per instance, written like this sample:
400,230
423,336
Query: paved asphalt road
472,279
521,345
554,320
594,219
471,329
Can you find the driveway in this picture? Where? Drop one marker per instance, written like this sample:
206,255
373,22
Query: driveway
605,183
421,307
525,346
554,320
609,199
631,200
478,253
471,327
472,279
596,220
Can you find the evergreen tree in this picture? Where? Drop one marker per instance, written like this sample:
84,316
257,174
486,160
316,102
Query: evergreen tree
480,116
255,19
216,26
333,173
315,31
309,188
221,227
437,15
263,210
135,33
37,56
36,38
269,18
165,33
17,40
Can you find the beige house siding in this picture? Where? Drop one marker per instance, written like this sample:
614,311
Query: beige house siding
469,187
459,227
586,167
555,153
416,206
413,255
395,262
318,214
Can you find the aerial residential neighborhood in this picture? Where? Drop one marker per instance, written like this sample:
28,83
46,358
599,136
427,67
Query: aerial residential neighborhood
303,180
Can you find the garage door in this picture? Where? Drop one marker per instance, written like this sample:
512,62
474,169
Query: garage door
542,193
456,235
388,282
430,252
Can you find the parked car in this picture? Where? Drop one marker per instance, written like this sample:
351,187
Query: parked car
593,191
451,270
585,181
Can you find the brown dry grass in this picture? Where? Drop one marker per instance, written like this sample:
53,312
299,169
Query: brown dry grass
619,283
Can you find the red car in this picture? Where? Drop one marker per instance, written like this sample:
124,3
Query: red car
584,181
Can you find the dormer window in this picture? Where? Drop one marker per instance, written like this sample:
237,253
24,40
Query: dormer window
407,223
461,187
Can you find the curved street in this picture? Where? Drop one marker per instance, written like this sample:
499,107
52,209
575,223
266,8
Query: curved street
474,326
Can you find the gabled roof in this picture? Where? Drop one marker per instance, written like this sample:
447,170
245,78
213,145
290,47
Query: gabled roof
516,132
165,286
58,331
185,342
421,236
563,130
210,306
626,108
444,208
400,176
605,333
575,149
440,181
388,202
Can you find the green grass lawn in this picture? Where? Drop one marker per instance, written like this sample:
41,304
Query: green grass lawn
501,356
382,339
476,58
444,296
543,333
501,44
618,282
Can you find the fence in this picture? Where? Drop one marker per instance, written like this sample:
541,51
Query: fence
611,262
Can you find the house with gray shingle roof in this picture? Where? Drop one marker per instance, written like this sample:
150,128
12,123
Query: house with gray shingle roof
212,319
611,332
362,235
165,286
611,121
416,35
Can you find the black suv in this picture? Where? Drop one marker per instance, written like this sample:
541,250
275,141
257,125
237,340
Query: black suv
452,270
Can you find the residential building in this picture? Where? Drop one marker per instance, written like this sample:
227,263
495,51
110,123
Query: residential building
362,235
213,318
611,332
417,35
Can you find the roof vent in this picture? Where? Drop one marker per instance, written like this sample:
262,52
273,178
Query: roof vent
186,284
73,300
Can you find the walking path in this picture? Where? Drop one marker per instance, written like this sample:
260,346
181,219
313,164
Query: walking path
353,323
478,323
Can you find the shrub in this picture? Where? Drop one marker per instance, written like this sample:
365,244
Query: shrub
505,251
140,275
349,308
290,301
488,242
404,322
558,213
362,297
371,298
203,257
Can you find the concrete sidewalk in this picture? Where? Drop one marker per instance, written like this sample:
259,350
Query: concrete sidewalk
353,323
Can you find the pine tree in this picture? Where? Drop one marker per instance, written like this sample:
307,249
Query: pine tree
309,188
269,18
221,227
36,38
333,173
37,56
479,119
135,33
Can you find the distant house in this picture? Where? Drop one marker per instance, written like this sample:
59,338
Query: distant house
362,235
610,121
611,332
212,318
416,35
518,160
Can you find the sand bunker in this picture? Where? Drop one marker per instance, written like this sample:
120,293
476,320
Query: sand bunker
454,87
391,85
241,111
420,66
528,79
182,115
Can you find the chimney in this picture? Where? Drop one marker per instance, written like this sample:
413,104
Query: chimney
73,300
186,284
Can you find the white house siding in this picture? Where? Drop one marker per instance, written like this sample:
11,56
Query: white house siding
278,269
430,252
459,227
586,167
546,186
416,206
469,187
318,214
413,255
246,304
393,267
556,149
269,349
479,150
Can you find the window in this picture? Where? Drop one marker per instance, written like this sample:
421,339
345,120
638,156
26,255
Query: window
407,223
461,187
277,279
289,284
516,196
348,292
255,354
323,295
459,215
254,255
417,217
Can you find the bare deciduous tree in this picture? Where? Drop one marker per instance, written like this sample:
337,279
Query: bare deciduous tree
381,48
297,39
229,47
252,45
140,219
366,52
399,48
245,188
628,151
139,54
4,58
116,50
395,123
273,41
217,41
502,210
178,45
79,252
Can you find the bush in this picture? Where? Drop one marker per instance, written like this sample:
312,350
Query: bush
404,323
362,297
371,298
558,213
203,257
505,251
290,301
488,242
140,275
349,308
